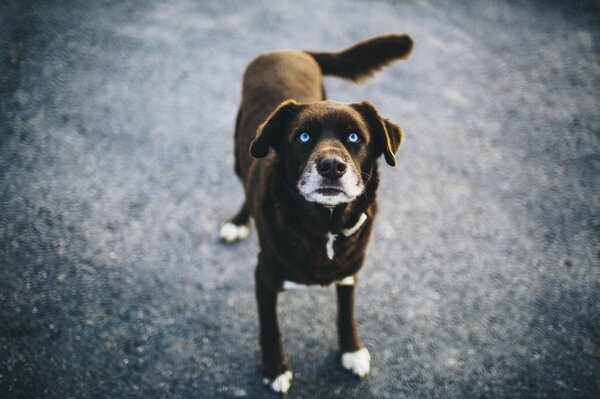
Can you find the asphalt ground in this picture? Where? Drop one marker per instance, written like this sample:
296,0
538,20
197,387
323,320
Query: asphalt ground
116,172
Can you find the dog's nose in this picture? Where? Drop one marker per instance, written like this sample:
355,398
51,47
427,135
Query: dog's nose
332,168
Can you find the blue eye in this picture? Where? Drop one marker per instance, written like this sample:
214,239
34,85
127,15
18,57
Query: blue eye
304,137
353,138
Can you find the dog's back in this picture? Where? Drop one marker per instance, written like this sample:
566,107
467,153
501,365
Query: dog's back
274,77
270,79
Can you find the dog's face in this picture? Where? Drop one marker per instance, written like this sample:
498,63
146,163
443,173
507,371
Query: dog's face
328,149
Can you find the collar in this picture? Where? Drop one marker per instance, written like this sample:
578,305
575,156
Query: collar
296,197
354,229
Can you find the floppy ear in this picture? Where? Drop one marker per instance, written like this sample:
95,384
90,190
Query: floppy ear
387,134
270,133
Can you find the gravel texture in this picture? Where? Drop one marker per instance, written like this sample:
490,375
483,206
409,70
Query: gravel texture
116,172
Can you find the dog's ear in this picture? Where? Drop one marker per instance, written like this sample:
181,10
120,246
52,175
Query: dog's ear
388,135
270,133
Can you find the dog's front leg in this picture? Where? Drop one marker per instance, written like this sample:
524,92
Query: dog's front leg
355,357
275,370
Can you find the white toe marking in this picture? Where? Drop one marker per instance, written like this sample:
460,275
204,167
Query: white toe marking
281,383
230,232
358,362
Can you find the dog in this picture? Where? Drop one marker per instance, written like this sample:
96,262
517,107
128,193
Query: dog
309,169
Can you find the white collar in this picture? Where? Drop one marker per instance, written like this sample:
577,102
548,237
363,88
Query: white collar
354,229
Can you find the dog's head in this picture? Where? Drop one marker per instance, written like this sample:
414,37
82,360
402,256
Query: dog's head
328,149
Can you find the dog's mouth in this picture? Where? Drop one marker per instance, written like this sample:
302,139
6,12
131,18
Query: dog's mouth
322,190
330,191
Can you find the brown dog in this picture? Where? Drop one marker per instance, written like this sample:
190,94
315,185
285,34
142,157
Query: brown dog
309,169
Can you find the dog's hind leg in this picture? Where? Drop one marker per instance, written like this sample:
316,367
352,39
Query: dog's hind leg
236,149
237,228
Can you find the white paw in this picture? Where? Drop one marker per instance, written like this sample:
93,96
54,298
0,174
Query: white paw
358,362
281,383
231,233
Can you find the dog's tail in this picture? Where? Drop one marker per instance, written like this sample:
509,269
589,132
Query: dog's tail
362,60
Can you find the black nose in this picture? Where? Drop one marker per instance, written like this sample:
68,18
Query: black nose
331,168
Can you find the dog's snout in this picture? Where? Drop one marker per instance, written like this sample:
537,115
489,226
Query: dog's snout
332,168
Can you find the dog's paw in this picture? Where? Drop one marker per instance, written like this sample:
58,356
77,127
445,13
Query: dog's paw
231,233
359,362
281,383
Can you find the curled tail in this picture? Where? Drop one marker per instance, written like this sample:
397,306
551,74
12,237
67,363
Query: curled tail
362,60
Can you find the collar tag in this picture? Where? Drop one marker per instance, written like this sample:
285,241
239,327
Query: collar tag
354,229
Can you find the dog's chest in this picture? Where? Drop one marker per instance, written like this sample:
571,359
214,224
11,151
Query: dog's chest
331,237
329,257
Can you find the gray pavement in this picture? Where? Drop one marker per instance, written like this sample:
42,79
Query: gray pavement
116,171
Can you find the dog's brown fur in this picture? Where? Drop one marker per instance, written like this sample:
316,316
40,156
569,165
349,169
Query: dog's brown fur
269,161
